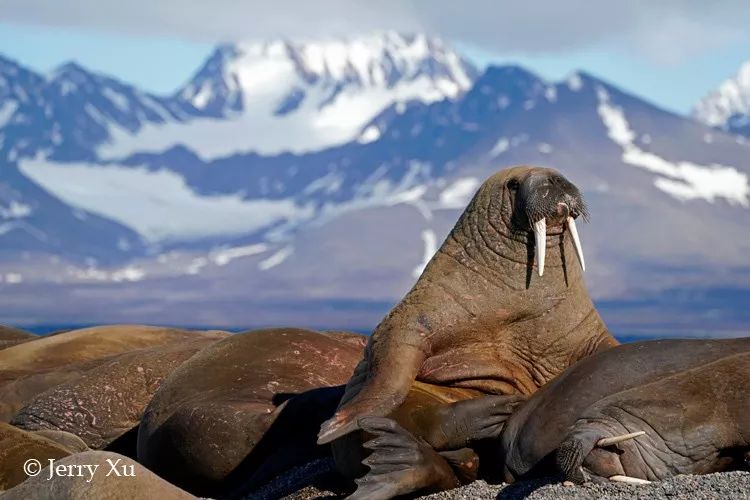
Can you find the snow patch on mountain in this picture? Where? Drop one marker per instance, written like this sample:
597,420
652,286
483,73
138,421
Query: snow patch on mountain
224,256
501,146
300,97
731,99
15,210
459,193
159,205
430,247
276,259
6,111
682,180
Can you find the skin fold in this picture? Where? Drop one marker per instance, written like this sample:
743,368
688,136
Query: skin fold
687,395
479,321
696,422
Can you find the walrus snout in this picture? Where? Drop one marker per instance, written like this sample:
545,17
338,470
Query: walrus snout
547,199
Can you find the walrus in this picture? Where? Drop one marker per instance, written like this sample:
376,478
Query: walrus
107,402
96,474
17,446
246,408
30,368
10,336
646,410
477,322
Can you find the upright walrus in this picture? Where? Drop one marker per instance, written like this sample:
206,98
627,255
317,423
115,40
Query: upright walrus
647,410
477,322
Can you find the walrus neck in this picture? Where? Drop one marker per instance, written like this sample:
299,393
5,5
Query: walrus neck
552,316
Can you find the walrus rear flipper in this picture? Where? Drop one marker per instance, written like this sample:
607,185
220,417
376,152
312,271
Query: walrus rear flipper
379,385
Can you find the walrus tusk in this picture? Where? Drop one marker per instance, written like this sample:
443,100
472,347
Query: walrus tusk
576,241
540,237
618,439
629,480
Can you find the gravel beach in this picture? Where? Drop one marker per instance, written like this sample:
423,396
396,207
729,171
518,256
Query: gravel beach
728,485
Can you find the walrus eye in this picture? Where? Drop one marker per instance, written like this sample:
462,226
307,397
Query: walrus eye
513,184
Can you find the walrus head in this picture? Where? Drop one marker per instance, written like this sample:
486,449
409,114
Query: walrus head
530,206
546,203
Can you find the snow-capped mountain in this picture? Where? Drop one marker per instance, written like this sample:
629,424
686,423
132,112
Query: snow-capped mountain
290,237
16,86
304,96
72,111
728,106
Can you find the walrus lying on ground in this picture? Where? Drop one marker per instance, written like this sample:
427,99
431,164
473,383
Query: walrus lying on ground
105,404
10,336
477,322
30,368
648,410
246,408
17,447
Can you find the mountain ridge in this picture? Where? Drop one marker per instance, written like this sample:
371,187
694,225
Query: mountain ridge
311,226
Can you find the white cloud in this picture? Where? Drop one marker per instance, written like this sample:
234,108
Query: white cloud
665,31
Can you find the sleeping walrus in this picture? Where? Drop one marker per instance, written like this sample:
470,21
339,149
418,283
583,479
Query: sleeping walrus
478,322
648,410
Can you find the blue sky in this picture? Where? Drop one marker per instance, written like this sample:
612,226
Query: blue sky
161,63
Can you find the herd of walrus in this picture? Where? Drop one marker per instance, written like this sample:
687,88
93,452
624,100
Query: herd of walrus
495,365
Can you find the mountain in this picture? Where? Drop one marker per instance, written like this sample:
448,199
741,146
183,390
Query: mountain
304,91
332,236
71,112
303,96
728,106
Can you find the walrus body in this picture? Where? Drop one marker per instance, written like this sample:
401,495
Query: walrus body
478,321
10,336
689,396
246,408
30,368
17,447
96,474
108,401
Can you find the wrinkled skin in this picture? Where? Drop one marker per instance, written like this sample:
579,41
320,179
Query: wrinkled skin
479,321
30,368
106,402
246,408
689,396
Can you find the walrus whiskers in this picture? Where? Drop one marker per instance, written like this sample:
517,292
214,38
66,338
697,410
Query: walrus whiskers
629,480
618,439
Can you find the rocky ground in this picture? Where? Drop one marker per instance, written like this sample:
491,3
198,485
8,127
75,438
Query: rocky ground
729,485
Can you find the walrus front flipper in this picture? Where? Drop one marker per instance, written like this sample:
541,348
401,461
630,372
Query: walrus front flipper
379,385
455,426
400,463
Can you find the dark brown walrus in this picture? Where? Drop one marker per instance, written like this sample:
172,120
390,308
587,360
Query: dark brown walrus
246,408
478,321
31,368
647,410
106,403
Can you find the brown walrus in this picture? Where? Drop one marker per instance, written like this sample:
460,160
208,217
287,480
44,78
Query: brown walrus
10,336
478,321
31,368
647,410
107,402
17,446
246,408
96,474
